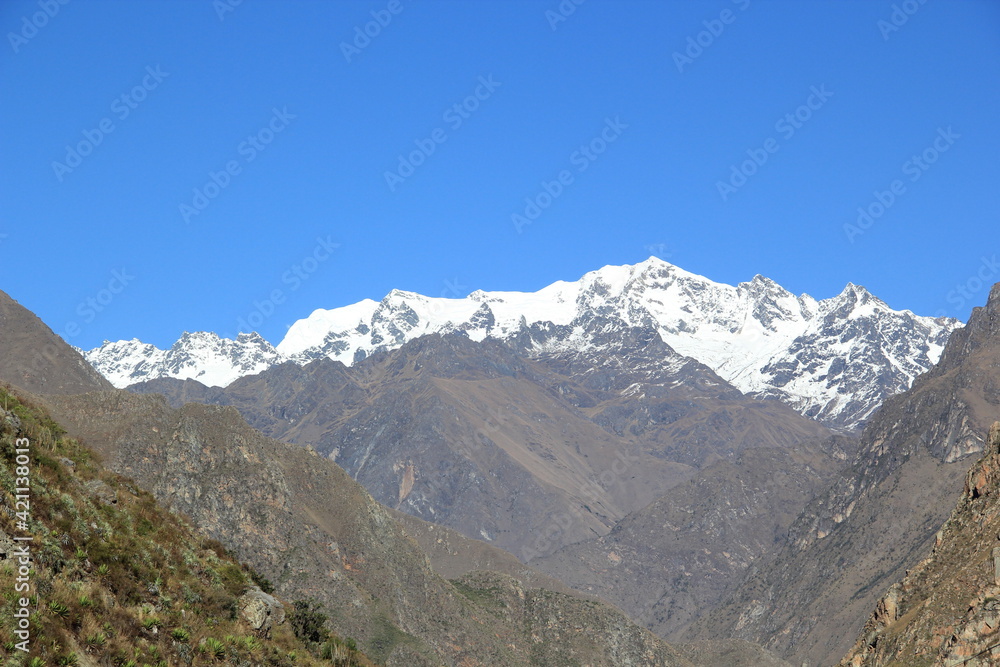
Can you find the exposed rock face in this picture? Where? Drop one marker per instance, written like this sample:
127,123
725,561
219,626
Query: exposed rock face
880,516
35,359
946,610
982,330
261,611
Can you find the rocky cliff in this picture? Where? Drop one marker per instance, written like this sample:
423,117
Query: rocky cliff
946,610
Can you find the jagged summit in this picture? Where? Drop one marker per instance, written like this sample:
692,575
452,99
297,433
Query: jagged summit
859,295
833,359
200,355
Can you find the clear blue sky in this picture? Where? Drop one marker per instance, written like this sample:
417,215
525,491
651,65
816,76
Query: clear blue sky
206,84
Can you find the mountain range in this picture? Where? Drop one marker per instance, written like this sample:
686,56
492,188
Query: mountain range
576,428
527,451
833,360
294,520
616,452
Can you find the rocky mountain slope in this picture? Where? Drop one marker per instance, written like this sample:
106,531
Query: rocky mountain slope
834,359
527,451
946,610
533,446
674,560
300,521
114,578
315,533
36,359
880,516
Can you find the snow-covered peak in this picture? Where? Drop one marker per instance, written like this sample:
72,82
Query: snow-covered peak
310,331
199,355
765,289
757,335
858,294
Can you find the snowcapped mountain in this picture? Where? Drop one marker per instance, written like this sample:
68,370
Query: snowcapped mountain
833,359
201,356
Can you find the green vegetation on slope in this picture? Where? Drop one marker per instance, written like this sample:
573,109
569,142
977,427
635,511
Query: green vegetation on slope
115,579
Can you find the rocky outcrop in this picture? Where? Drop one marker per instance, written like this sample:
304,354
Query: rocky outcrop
6,546
102,492
261,611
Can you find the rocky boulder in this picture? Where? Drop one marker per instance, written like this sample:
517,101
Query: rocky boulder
261,611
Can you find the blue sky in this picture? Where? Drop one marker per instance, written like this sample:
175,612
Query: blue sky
172,166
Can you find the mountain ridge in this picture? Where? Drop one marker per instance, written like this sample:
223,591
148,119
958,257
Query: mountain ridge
36,359
833,360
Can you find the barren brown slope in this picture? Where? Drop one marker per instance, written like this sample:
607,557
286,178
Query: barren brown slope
302,522
730,653
457,433
946,610
673,561
32,357
513,442
453,555
881,515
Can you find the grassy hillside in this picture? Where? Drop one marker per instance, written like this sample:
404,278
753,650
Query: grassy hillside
115,579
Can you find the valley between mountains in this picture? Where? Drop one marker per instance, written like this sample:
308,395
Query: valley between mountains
641,467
